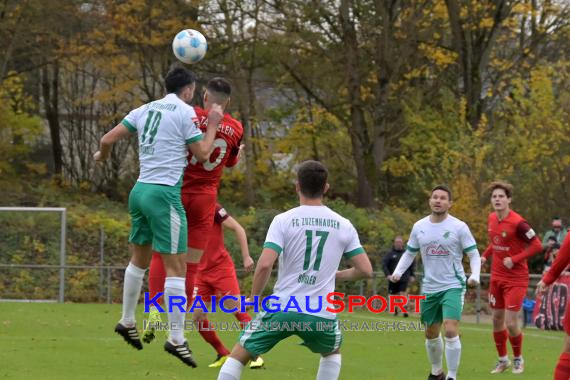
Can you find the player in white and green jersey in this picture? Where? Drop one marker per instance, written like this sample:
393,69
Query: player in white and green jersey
166,129
309,241
442,241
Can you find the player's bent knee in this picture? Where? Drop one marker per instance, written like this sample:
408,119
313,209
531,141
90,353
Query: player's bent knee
432,331
451,328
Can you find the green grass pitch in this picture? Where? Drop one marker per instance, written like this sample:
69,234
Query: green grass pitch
76,341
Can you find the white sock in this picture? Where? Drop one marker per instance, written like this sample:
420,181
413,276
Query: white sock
452,355
434,348
132,285
329,367
175,286
231,370
504,358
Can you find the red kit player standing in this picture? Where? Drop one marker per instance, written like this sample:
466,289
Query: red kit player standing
511,242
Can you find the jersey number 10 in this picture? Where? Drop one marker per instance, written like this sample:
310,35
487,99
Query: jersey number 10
220,144
322,235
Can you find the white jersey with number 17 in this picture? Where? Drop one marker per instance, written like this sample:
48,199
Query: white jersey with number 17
310,241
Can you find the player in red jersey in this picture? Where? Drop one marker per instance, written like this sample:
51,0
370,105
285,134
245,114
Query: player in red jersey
202,180
216,276
511,242
562,371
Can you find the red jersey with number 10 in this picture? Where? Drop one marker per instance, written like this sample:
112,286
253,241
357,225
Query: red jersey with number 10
204,177
510,237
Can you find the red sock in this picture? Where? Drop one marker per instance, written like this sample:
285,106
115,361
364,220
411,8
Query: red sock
243,318
191,270
156,276
211,337
516,344
562,370
501,342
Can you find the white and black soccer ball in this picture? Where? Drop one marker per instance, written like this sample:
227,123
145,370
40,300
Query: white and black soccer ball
189,46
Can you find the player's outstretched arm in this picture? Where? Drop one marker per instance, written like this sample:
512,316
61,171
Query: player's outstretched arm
361,268
263,271
233,225
107,141
202,149
475,264
405,261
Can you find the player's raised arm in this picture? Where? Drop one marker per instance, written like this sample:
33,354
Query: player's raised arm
119,132
233,225
201,149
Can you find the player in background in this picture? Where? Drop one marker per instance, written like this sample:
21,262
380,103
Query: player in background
309,242
166,130
202,179
511,242
389,263
216,276
562,371
442,240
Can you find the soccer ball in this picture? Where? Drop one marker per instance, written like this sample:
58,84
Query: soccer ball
189,46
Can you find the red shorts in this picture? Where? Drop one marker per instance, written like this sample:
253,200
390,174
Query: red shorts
200,211
503,295
219,284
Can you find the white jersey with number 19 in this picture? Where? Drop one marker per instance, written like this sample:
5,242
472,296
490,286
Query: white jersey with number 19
310,241
164,128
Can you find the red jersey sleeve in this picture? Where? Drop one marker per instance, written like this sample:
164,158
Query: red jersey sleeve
560,263
233,157
527,234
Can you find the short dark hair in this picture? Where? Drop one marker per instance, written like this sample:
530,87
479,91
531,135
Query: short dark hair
312,177
220,88
442,188
177,78
505,186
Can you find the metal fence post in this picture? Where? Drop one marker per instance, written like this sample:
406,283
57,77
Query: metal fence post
62,256
108,285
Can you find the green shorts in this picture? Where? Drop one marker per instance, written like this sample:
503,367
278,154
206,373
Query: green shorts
438,306
320,335
157,217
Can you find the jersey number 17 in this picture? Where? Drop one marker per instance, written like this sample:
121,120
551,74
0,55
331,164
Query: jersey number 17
322,235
